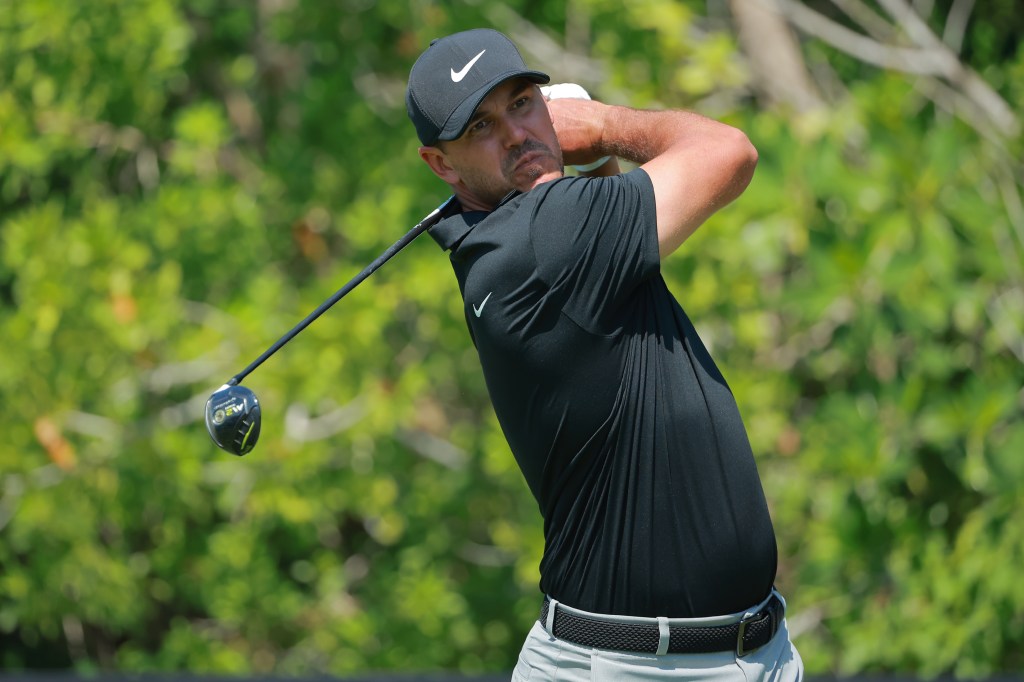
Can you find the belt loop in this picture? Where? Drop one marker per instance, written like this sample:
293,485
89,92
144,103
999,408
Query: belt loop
663,636
550,624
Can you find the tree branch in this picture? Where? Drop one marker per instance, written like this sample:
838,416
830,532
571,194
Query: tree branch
434,448
866,18
906,60
956,24
912,24
301,427
774,56
544,50
930,57
952,68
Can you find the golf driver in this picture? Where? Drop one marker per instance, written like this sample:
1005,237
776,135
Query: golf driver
233,412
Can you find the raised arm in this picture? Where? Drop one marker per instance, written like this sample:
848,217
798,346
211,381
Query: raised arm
697,165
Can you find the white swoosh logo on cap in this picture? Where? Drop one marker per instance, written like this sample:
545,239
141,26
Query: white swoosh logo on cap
457,76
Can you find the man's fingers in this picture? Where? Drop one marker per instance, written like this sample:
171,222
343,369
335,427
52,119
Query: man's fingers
573,132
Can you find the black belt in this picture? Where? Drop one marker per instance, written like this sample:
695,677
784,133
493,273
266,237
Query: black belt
743,637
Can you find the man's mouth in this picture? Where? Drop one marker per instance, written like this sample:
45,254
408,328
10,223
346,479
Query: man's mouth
527,158
530,152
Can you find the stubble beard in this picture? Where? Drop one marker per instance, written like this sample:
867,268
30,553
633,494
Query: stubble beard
492,190
533,170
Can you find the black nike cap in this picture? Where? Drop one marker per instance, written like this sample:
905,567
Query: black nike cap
451,78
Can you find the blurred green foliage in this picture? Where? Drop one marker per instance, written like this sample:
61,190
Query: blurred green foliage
183,180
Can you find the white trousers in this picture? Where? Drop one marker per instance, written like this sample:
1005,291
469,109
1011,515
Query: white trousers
546,659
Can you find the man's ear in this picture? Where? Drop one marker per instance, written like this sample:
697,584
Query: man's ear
438,162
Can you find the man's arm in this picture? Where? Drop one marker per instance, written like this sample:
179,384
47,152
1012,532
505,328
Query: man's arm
696,165
605,170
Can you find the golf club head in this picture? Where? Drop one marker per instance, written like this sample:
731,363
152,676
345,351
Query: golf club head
233,419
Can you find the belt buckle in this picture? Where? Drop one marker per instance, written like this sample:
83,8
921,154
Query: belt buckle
740,650
771,611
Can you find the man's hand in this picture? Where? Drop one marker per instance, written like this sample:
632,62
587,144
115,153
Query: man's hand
578,127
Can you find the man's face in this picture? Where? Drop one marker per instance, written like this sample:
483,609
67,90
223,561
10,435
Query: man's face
510,144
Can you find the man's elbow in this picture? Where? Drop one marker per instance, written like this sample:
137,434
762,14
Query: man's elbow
743,161
738,159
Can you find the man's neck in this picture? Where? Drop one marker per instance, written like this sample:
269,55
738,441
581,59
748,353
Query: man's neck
471,202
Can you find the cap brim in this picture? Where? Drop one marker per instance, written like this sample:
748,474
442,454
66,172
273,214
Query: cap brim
457,123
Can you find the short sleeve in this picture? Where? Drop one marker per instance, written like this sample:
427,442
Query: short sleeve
595,243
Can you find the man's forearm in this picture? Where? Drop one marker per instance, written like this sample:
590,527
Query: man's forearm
640,136
696,165
588,130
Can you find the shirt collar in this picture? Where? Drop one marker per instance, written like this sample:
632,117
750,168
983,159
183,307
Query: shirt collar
452,230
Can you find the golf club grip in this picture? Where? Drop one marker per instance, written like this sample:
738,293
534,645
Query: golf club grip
425,224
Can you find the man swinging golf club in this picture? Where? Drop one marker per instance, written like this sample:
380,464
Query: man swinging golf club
660,556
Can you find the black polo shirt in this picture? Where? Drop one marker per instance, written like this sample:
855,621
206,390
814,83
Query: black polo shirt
625,430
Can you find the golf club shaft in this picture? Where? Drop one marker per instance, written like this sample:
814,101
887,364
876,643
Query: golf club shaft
421,227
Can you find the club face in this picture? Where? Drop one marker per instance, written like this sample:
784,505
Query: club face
233,419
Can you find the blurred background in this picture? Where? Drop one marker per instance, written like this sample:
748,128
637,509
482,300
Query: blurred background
181,181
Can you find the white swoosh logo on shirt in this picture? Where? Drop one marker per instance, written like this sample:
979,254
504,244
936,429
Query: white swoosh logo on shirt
457,76
480,310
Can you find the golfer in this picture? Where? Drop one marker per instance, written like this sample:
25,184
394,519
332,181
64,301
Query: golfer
659,557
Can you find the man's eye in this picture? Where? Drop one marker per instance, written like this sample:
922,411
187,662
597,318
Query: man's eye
478,126
520,102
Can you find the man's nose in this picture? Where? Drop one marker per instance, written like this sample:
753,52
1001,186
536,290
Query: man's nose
514,134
